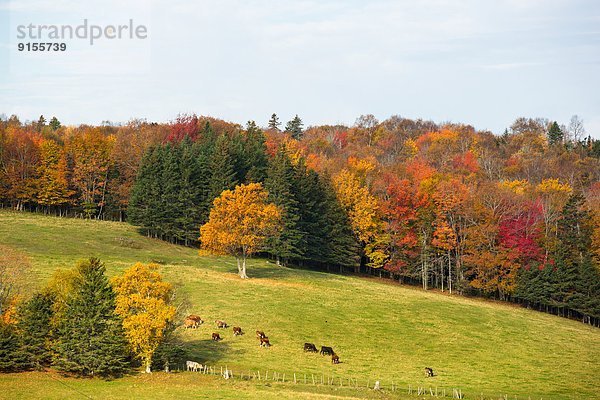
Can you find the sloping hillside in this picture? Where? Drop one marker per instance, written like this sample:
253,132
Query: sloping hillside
381,331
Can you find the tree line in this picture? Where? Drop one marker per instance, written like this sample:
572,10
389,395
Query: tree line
513,216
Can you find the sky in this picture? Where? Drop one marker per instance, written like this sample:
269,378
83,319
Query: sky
484,63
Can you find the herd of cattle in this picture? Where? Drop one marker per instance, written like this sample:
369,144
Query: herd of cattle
194,321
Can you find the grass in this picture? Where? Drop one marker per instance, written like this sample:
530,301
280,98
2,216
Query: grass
380,331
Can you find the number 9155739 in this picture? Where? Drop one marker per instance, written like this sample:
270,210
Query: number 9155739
42,46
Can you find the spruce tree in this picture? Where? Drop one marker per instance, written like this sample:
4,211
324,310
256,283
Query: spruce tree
577,281
279,183
221,166
555,134
13,358
145,200
342,248
34,328
274,123
90,334
255,154
294,127
54,123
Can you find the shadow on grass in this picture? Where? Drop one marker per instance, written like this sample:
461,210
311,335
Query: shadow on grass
272,271
209,352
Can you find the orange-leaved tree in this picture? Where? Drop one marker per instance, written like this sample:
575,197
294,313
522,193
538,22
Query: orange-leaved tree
144,302
239,223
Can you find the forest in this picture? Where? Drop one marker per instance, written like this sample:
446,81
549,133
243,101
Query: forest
514,217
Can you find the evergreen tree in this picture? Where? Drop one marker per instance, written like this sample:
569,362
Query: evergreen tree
342,248
170,210
577,281
294,127
274,123
41,123
34,328
90,334
54,124
221,166
280,185
145,201
13,358
555,134
255,154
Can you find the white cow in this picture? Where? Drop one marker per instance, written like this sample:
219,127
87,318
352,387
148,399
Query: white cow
193,366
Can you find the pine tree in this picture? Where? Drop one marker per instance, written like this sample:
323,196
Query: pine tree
342,248
12,356
34,328
555,134
145,202
294,127
280,185
274,123
577,282
54,124
255,154
221,165
90,334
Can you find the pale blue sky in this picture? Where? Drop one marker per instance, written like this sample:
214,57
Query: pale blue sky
479,62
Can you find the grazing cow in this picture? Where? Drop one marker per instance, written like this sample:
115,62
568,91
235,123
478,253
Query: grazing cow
195,318
310,348
216,337
326,351
190,323
260,334
237,331
264,341
193,366
221,324
428,372
335,359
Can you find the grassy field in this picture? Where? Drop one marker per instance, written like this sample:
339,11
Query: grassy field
381,331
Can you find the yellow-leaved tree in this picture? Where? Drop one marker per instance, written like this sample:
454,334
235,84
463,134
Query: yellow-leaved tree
364,214
143,301
239,223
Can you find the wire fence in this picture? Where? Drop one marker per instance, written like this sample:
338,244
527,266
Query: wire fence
324,380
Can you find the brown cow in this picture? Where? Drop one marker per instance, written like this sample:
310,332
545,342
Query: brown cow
335,359
221,324
260,334
216,337
264,341
190,323
195,318
237,331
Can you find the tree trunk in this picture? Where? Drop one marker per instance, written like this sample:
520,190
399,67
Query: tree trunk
242,268
449,274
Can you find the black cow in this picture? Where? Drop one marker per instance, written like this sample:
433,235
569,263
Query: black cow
326,351
310,348
428,372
